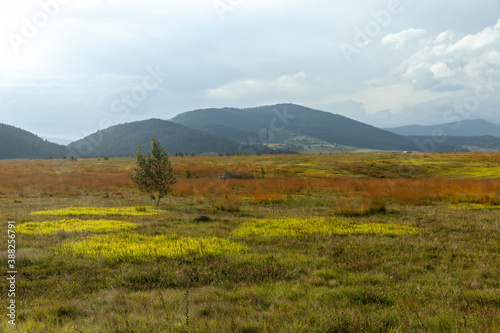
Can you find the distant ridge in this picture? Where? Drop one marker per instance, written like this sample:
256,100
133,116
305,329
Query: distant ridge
122,140
476,127
287,121
18,143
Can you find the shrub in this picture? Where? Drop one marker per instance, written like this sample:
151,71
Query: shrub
154,173
371,209
202,218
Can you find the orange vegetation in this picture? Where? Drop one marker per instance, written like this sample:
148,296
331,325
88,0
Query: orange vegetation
31,178
401,190
59,177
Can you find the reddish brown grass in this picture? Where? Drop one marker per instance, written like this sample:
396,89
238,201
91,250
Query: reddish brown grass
32,178
401,190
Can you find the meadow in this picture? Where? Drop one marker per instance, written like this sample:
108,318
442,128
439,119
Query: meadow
379,242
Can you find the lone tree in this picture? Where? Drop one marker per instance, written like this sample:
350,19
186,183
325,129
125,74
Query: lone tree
153,172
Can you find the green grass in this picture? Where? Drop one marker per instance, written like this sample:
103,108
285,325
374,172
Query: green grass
291,265
335,278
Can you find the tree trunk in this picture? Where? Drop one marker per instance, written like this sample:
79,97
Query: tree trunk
158,201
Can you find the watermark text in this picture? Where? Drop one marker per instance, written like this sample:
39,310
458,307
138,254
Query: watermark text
11,272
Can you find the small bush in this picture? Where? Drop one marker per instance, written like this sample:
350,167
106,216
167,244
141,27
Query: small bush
67,311
202,218
227,208
371,209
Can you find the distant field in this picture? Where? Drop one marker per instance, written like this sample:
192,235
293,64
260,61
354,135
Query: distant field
274,243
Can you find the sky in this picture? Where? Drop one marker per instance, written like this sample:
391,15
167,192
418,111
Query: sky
71,67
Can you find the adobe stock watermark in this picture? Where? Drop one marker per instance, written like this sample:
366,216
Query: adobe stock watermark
31,27
121,107
461,111
277,124
225,6
11,272
364,36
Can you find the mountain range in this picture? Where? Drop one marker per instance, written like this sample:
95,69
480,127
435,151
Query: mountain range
282,128
475,127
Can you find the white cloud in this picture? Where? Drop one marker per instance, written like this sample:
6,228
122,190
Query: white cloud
280,87
441,70
446,71
451,60
400,39
447,37
470,43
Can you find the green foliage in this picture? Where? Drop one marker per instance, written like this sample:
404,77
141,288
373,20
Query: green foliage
18,143
153,172
292,120
122,139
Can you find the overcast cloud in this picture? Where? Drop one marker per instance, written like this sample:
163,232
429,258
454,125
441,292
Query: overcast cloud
68,68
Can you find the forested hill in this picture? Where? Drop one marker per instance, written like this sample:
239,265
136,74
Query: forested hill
18,143
123,139
286,121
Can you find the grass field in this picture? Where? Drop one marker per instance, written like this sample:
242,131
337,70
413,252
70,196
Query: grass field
381,242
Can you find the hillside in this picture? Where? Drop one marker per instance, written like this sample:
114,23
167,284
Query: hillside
286,122
122,140
476,127
18,143
289,128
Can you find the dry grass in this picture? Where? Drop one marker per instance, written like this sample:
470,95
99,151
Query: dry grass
361,275
401,190
50,177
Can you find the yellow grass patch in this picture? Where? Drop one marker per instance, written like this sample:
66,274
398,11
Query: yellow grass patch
101,211
295,227
472,206
51,227
136,248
